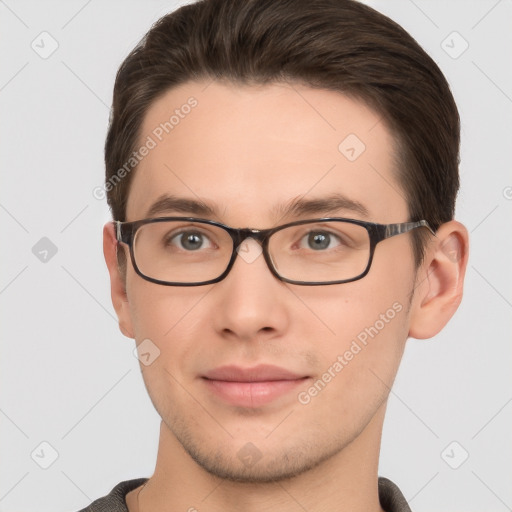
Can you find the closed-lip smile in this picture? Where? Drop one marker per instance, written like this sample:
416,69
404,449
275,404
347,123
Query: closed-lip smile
252,386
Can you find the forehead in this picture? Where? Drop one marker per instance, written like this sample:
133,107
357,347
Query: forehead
248,150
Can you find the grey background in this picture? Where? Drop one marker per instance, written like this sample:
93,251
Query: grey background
68,376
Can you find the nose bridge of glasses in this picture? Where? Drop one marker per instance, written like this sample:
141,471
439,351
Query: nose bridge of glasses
249,243
249,249
241,235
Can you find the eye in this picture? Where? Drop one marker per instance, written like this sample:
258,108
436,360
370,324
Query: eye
320,240
190,240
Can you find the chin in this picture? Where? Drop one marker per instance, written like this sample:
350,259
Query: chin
251,465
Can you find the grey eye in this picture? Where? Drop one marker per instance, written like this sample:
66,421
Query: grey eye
191,241
318,240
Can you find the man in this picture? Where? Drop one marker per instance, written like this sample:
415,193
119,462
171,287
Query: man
282,177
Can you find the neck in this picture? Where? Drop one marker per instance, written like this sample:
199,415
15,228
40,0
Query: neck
345,482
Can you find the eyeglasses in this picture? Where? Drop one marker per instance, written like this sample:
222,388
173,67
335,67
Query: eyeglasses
186,251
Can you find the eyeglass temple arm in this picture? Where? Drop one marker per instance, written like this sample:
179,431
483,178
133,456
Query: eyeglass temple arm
117,227
122,235
404,227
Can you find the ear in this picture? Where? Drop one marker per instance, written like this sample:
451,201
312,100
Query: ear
117,284
440,280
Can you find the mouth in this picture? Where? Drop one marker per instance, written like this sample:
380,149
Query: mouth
251,387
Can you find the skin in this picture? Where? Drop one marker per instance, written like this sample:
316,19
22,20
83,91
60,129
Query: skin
248,149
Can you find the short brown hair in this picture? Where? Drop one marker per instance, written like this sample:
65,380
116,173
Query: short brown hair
338,45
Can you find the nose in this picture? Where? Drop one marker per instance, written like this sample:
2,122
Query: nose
250,302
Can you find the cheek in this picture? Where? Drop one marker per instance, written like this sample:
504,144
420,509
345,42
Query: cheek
156,309
358,365
367,327
378,302
168,316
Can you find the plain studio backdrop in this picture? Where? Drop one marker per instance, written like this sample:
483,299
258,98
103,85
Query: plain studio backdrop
75,416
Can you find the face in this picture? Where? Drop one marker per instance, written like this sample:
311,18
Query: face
246,152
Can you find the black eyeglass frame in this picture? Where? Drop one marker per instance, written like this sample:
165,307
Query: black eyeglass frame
125,233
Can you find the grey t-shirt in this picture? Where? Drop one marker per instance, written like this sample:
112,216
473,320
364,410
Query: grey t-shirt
391,498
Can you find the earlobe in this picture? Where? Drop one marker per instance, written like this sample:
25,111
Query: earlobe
117,284
440,281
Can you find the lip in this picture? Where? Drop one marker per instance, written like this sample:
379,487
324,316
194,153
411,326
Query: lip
260,373
251,387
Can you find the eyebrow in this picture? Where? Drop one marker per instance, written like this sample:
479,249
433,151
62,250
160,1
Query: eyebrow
169,203
321,205
296,207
